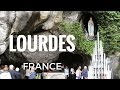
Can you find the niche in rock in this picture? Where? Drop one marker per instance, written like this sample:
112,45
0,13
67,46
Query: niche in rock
85,19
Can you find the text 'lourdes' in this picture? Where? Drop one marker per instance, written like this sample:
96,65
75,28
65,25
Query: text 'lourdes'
42,43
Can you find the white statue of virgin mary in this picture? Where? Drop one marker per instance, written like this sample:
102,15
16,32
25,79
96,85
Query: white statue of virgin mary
90,27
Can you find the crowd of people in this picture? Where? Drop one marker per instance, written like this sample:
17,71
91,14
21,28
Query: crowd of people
9,72
76,74
12,72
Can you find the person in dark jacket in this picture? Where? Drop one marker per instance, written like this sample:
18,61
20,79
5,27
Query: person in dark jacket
18,74
72,73
12,72
85,73
22,72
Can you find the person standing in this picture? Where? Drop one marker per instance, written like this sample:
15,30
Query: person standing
38,74
28,71
78,73
5,74
85,73
72,73
22,72
33,73
12,71
18,75
66,72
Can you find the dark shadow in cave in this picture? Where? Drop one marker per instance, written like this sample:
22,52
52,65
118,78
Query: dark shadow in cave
73,60
85,18
4,60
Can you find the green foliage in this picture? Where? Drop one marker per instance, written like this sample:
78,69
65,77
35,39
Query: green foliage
109,26
81,42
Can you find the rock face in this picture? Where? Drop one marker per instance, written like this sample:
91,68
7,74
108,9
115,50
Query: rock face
115,66
6,21
26,22
55,17
71,16
41,56
21,20
3,47
35,57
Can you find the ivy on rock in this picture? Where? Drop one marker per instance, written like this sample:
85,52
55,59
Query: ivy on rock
81,42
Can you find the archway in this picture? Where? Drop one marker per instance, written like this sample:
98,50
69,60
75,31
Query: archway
73,60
